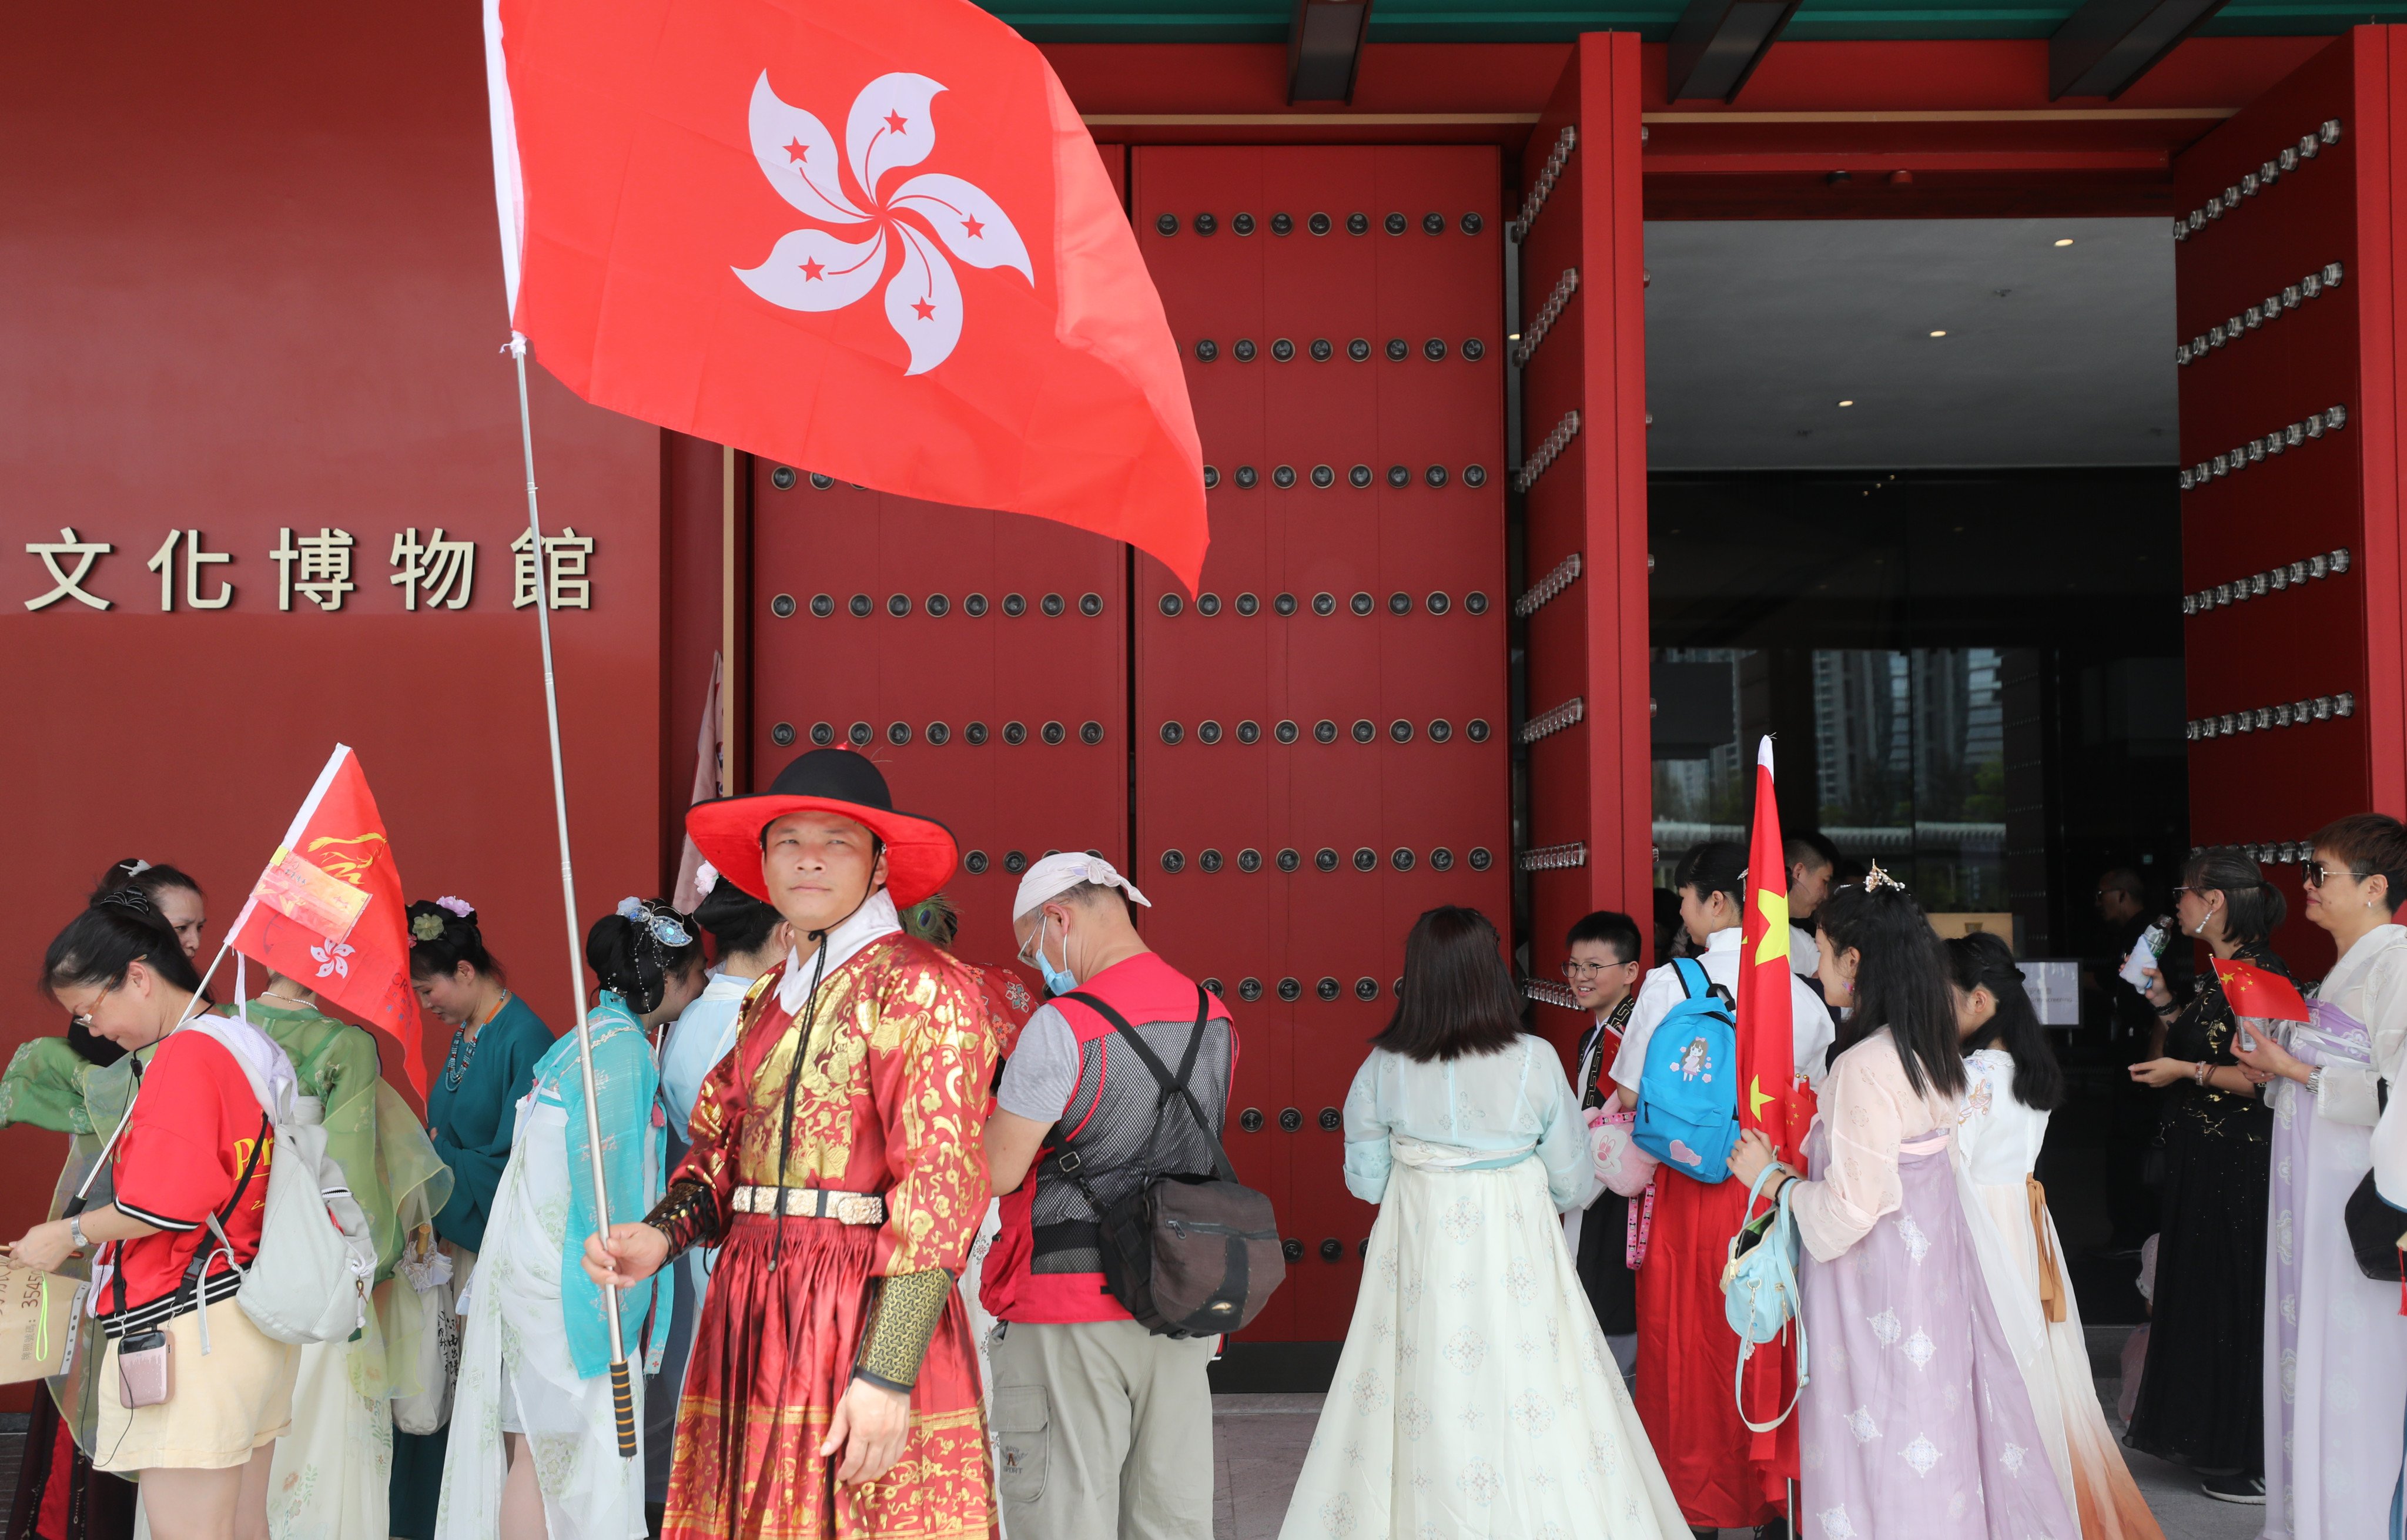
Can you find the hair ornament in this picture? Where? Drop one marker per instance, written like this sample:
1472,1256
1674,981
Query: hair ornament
459,906
664,924
706,877
136,867
426,927
131,899
1875,879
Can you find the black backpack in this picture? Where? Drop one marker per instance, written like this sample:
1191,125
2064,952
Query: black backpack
1188,1256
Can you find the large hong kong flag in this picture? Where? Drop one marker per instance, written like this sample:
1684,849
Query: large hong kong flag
867,238
1773,1096
329,910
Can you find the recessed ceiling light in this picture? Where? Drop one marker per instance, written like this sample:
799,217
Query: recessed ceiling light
2066,241
1846,403
1938,333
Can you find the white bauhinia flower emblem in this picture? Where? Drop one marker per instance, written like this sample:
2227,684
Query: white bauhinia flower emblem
917,220
333,958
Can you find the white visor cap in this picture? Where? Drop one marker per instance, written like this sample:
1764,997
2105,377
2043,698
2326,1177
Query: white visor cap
1056,875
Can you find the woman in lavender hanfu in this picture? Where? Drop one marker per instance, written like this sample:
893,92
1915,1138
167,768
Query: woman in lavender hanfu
1915,1423
2335,1346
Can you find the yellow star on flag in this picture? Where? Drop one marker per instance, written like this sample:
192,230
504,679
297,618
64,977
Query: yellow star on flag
1755,1098
1774,907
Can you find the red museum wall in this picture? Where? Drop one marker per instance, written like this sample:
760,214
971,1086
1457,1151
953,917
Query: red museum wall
264,290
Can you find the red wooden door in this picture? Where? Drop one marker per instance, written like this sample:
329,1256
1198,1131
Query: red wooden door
1320,733
1583,463
2287,279
980,658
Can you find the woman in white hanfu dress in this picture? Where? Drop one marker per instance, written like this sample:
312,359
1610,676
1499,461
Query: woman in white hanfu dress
532,1451
2014,1082
2335,1346
1915,1424
1476,1396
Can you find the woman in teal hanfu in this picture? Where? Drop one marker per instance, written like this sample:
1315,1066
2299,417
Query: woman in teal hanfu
495,1041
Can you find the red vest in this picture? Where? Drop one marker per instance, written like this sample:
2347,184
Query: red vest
1145,989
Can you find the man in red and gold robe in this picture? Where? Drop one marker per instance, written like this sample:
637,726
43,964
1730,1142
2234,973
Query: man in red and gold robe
837,1166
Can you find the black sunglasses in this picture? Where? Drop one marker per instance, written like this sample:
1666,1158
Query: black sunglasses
2315,871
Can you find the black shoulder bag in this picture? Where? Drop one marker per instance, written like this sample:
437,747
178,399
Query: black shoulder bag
1188,1255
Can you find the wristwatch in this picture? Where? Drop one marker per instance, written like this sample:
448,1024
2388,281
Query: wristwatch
75,1231
2315,1080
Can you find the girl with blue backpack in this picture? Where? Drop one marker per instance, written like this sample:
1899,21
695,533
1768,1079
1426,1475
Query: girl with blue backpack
1688,1356
1915,1423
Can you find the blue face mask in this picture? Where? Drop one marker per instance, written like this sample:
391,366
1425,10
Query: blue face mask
1060,981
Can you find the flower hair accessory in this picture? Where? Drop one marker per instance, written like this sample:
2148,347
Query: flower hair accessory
706,877
426,927
459,906
1875,879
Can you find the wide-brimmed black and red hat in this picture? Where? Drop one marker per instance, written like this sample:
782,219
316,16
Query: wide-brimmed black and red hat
920,852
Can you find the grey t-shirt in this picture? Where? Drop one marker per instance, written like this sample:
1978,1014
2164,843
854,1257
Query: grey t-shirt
1042,1069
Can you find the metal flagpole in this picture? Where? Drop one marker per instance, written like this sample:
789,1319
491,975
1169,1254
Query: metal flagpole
622,1394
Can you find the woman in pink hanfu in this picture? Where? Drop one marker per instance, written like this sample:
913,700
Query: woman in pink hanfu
1915,1424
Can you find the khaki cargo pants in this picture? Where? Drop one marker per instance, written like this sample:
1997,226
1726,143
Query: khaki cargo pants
1101,1431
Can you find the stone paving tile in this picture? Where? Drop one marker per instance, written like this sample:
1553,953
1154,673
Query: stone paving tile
1258,1443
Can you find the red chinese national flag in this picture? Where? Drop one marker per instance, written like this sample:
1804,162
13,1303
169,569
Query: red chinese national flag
2254,991
868,238
329,910
1772,1096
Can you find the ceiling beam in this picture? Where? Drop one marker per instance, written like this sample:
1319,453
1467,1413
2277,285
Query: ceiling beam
2107,45
1717,44
1324,48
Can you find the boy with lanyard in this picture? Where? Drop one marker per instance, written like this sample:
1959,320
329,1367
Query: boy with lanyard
1602,971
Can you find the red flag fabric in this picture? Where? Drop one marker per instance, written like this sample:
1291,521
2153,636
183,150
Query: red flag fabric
868,238
329,910
1772,1096
2254,991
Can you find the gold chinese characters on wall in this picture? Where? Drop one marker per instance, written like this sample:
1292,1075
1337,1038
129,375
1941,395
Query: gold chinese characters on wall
436,571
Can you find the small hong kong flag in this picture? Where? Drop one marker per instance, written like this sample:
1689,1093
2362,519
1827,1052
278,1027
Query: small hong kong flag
329,912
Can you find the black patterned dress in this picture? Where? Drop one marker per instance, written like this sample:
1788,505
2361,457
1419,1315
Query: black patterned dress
2202,1394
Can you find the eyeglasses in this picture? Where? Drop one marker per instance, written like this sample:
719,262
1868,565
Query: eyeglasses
1590,970
1029,949
83,1018
2315,871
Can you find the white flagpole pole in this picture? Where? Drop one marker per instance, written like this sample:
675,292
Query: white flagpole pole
622,1396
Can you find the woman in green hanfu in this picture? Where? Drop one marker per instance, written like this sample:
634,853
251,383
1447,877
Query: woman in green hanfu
331,1473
